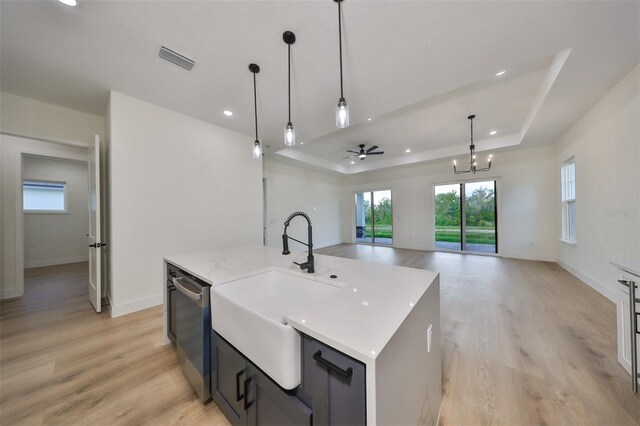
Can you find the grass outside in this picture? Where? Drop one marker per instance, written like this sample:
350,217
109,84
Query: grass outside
475,235
382,231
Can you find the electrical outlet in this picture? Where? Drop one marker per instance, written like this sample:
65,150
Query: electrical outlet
429,334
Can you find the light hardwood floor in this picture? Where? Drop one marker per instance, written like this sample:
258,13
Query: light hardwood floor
523,343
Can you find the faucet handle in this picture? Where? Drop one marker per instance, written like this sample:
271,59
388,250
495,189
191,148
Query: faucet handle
302,266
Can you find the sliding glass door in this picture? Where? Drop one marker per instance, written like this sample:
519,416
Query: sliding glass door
448,207
465,217
374,217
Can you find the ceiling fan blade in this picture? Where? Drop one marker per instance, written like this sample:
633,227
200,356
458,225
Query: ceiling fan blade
373,148
355,152
376,153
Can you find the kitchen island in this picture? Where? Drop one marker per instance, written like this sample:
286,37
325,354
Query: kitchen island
383,318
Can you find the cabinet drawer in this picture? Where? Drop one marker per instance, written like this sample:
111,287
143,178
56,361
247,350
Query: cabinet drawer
335,383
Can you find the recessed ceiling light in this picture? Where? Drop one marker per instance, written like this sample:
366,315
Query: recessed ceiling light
301,143
370,118
499,73
407,151
353,162
68,2
493,132
227,113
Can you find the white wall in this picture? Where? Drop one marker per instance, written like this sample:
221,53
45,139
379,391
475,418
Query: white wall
54,239
526,196
606,146
290,188
178,185
12,150
40,120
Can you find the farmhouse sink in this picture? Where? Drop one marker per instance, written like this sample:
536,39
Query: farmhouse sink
249,313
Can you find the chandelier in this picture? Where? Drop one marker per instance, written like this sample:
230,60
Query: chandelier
472,163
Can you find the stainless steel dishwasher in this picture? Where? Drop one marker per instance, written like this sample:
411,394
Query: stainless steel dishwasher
193,335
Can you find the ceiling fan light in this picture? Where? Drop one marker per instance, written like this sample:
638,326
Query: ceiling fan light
289,135
342,114
362,156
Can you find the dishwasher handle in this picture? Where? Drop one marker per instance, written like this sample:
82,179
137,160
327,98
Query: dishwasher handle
191,295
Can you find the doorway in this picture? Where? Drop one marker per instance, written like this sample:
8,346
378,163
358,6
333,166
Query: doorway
56,218
374,217
466,217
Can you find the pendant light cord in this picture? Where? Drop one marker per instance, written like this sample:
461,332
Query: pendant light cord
340,41
255,103
289,78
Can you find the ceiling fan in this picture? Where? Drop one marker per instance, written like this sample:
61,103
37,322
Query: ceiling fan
362,154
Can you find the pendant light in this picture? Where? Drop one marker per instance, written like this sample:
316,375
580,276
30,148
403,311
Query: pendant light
472,164
289,132
342,109
257,149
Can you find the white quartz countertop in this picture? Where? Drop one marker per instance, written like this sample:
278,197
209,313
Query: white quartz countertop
358,320
630,266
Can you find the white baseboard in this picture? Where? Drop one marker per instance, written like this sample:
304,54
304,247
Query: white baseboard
52,262
9,293
326,244
590,281
410,247
134,305
535,256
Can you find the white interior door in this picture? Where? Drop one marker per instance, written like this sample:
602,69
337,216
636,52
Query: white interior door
95,258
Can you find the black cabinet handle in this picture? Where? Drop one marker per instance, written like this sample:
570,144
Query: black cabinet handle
247,404
98,245
318,357
624,282
238,374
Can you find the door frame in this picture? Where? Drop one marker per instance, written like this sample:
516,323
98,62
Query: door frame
498,213
354,222
53,149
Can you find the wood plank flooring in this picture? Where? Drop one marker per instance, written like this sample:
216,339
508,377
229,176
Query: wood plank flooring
61,363
523,343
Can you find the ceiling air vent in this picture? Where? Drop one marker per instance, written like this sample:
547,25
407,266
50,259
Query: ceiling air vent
176,58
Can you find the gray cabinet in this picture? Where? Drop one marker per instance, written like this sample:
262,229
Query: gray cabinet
335,383
270,405
246,395
228,375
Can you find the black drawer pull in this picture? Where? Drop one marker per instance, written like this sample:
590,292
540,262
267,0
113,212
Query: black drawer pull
318,357
238,374
246,394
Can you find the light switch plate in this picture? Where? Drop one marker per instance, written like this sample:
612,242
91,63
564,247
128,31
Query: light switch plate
429,333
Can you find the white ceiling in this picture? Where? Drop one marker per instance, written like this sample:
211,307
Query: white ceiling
418,68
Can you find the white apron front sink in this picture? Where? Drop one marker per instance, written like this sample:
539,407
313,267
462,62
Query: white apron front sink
249,313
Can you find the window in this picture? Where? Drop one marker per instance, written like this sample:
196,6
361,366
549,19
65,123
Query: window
44,197
568,175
